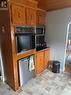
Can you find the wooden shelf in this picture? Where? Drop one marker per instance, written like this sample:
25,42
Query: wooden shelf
26,54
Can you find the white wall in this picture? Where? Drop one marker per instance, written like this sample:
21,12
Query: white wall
1,66
56,30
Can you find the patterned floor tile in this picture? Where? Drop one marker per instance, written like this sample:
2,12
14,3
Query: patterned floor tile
48,83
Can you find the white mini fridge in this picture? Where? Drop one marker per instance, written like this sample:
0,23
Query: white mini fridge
24,73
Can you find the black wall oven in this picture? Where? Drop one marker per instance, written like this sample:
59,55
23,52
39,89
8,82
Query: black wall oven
25,39
40,38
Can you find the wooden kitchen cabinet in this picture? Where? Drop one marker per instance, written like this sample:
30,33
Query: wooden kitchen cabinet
39,64
17,1
11,17
42,60
30,16
18,14
23,13
29,3
46,57
41,17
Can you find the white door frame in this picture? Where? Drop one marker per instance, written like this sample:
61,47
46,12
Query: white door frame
66,44
2,69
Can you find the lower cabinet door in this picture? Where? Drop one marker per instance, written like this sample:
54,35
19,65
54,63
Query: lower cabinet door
39,62
47,57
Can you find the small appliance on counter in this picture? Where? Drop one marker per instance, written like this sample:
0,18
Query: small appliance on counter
41,46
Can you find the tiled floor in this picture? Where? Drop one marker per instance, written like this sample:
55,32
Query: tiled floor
47,83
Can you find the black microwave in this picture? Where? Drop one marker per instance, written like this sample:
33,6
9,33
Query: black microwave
40,30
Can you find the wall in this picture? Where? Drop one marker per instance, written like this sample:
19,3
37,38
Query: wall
56,30
69,34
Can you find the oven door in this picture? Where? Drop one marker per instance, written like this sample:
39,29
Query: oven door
40,39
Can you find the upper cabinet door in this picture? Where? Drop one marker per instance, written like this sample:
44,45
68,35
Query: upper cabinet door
30,16
18,15
41,17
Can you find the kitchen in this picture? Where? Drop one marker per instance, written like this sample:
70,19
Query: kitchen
14,18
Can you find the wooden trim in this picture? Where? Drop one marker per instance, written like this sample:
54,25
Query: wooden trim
17,25
48,10
38,9
3,9
50,5
15,65
20,56
32,1
23,5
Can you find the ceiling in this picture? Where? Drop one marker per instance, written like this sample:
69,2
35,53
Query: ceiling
54,4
